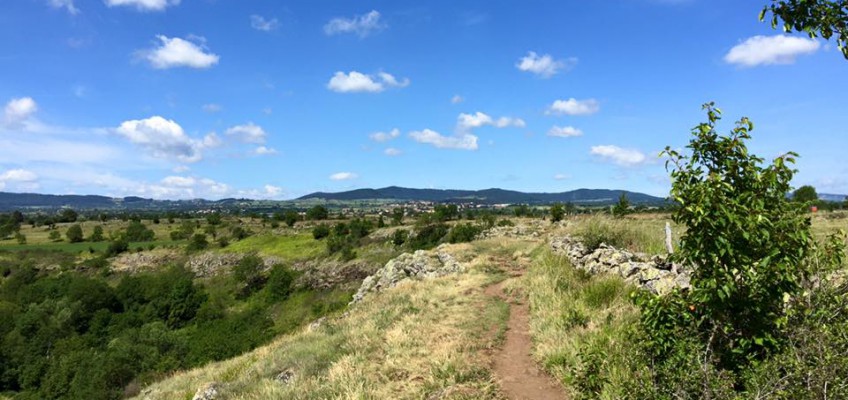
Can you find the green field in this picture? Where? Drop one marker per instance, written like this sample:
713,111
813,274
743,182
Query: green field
288,247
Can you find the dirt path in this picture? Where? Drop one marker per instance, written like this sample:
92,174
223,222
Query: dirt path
519,375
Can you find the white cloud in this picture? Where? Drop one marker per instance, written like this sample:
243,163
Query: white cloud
211,140
248,133
162,137
181,168
177,52
354,81
19,110
565,131
259,23
467,122
463,141
619,156
212,108
391,151
384,136
18,175
179,181
144,5
544,66
265,151
573,106
562,177
273,191
343,176
768,50
66,4
362,25
456,99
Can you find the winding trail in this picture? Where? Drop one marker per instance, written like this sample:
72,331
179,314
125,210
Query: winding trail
519,375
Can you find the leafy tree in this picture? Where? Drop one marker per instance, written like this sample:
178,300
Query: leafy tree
291,217
748,244
198,242
20,238
399,237
397,216
213,219
320,231
68,215
249,272
280,280
522,210
557,212
96,234
462,233
54,236
138,232
445,212
317,213
805,194
825,18
621,208
74,233
117,246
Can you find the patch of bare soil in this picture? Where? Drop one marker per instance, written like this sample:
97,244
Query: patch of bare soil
519,375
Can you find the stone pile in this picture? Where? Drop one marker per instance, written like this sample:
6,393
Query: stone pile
419,265
651,273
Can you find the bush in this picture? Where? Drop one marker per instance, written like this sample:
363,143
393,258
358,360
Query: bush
399,237
198,242
74,233
117,247
280,280
428,236
462,233
96,234
506,222
137,232
320,231
317,213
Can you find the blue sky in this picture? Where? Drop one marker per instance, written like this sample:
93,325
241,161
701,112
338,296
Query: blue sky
276,99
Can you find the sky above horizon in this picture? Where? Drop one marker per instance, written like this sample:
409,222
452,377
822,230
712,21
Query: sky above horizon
174,99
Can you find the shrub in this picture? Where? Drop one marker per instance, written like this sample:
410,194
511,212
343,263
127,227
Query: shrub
462,233
74,233
428,236
280,280
137,232
506,222
117,247
557,212
96,234
399,237
198,242
320,231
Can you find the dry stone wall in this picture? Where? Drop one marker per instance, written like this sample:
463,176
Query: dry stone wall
651,273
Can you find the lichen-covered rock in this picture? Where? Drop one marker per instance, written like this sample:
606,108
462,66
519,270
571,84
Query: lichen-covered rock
419,265
208,391
655,274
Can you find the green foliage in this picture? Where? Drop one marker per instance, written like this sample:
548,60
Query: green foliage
117,246
399,237
249,272
557,212
213,219
238,232
397,216
428,236
20,238
198,242
317,213
462,233
291,217
96,234
54,236
621,208
805,194
74,233
444,212
505,222
138,232
320,231
280,281
184,231
68,215
825,18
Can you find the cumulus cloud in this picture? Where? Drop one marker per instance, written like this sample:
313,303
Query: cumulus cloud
462,141
144,5
211,140
265,151
343,176
769,50
456,99
362,25
68,5
248,133
179,181
573,106
18,175
565,131
562,177
273,191
467,122
177,52
163,138
259,23
619,156
544,66
354,82
391,151
384,136
212,108
19,110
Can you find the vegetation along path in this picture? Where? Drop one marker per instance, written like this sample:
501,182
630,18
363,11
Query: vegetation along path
519,375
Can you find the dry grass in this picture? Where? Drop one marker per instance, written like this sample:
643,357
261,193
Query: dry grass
418,340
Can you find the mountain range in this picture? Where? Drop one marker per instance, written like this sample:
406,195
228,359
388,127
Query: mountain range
488,196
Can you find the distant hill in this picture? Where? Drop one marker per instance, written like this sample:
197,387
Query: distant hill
487,196
832,197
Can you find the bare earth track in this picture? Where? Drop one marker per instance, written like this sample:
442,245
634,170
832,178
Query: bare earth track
519,375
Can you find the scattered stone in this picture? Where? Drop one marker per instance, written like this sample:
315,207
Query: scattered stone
655,273
285,377
208,391
318,323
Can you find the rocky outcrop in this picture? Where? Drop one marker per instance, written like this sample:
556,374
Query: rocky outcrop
529,230
208,391
145,260
419,265
211,263
650,273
